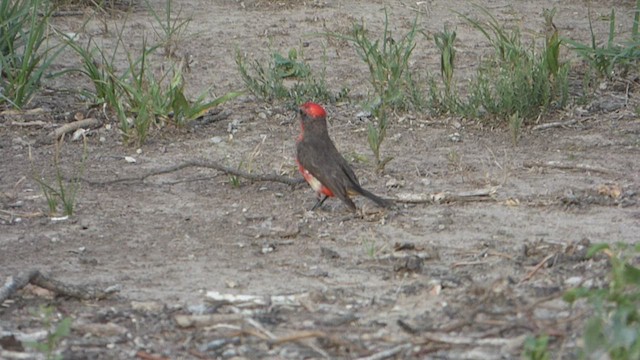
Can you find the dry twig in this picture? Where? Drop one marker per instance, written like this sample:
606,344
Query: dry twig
67,128
186,321
387,353
555,124
467,340
22,113
297,337
146,356
30,123
536,268
561,166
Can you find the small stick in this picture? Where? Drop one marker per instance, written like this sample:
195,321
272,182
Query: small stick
387,353
536,268
467,263
66,128
30,123
146,356
260,328
465,340
13,112
554,124
186,321
297,336
198,354
560,166
252,332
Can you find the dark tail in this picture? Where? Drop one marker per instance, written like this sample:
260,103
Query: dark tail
385,203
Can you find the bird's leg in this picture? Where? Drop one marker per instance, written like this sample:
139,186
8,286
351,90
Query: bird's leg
319,203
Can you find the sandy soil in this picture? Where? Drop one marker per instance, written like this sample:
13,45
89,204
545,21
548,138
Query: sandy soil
444,281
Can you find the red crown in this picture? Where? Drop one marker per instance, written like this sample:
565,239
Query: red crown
312,109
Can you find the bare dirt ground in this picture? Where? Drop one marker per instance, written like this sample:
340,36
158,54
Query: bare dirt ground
453,280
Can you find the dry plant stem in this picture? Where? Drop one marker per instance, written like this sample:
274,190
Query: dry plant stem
67,128
251,332
35,277
555,124
537,267
465,340
146,356
561,166
469,263
67,13
198,321
258,326
30,123
197,354
387,353
202,164
297,336
22,113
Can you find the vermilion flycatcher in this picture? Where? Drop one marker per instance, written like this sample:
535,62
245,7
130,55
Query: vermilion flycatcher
321,164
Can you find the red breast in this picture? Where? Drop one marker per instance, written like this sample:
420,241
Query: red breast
315,184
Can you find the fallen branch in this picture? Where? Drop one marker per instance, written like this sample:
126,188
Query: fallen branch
202,164
67,128
447,197
560,166
35,277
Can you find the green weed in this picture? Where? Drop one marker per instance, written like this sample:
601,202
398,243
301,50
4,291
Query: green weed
445,42
371,247
61,190
234,181
608,59
449,101
517,79
614,328
140,97
388,62
171,28
515,126
25,56
286,78
536,348
56,332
